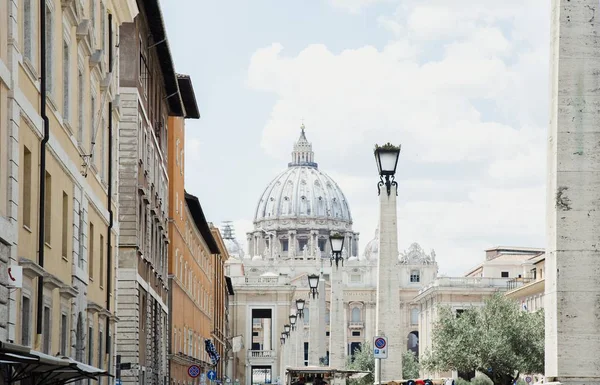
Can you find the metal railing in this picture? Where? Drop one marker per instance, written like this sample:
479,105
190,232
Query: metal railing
262,354
467,282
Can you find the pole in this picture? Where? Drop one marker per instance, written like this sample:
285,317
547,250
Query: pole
379,370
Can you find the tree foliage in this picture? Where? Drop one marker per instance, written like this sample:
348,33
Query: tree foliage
363,360
497,339
410,365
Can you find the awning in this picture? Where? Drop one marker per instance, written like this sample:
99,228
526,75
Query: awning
20,363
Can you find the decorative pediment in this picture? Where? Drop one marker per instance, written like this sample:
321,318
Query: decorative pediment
31,269
71,11
52,282
93,307
415,255
84,35
68,292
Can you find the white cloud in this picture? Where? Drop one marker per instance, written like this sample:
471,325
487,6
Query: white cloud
354,6
462,87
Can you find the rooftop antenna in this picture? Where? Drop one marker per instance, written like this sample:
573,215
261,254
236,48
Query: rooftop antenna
228,231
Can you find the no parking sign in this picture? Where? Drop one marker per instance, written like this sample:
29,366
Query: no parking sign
380,348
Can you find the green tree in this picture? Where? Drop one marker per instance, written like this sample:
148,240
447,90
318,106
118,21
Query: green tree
497,339
363,360
410,365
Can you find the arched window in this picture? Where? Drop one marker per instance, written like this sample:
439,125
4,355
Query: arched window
414,316
356,314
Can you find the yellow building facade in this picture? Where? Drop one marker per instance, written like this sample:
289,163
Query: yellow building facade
58,181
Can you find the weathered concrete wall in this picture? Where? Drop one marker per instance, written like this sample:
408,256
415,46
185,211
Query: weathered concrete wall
573,236
389,321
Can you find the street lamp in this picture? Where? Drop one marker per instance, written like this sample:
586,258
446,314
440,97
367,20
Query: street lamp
293,321
300,307
287,329
282,339
387,160
337,244
313,283
283,335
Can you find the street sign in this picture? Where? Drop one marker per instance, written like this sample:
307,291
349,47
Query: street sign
212,375
380,347
194,371
118,381
528,379
15,276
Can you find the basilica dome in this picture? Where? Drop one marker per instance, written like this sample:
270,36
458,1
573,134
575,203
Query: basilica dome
303,191
298,211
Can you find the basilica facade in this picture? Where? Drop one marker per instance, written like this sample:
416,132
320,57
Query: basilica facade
294,217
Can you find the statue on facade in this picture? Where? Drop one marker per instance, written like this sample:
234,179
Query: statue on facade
305,252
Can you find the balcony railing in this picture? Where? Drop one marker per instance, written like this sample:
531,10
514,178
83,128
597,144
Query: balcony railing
356,325
515,283
467,282
262,354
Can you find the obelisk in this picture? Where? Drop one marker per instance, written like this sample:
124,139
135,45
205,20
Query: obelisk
572,304
388,295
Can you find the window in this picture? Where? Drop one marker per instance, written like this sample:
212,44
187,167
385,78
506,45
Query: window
103,26
284,245
49,50
415,276
355,334
177,202
414,316
48,209
66,82
101,260
64,334
101,162
322,244
81,224
26,187
28,30
46,331
26,321
459,312
356,314
80,104
65,225
91,252
90,346
504,274
302,243
100,351
92,126
355,278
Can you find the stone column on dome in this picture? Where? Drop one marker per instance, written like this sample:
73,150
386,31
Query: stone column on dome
356,246
291,244
250,244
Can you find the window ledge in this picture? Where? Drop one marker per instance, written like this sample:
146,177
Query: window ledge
27,228
51,101
47,244
31,72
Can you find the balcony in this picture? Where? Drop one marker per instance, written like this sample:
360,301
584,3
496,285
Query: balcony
262,356
356,324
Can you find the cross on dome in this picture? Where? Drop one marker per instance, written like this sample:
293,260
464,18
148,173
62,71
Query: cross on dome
303,155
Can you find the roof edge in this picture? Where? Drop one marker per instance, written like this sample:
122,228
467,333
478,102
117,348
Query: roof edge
201,223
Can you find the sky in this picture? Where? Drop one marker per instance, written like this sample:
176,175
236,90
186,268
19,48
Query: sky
462,85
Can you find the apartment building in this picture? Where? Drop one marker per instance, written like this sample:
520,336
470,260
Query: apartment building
59,115
150,94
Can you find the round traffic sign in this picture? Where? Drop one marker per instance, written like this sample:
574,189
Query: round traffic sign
380,343
212,375
194,371
528,379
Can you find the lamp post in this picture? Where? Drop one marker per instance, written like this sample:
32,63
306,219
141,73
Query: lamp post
282,339
287,329
313,283
300,306
387,161
293,321
388,297
337,244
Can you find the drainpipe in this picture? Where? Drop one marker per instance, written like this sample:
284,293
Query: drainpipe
109,197
42,206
